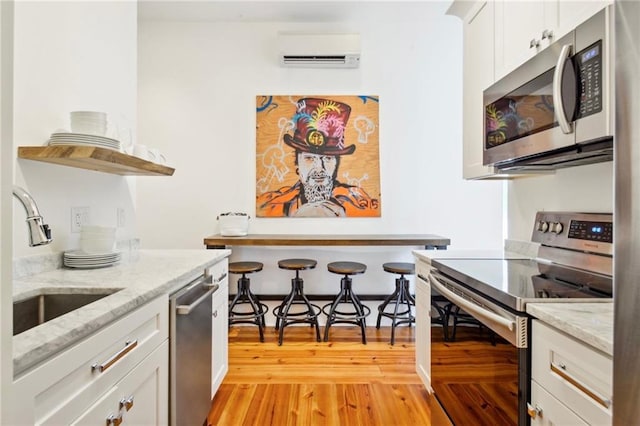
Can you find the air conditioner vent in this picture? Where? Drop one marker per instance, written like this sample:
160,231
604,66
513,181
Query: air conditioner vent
319,50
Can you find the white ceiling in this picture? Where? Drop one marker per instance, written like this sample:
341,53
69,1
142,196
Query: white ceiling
287,10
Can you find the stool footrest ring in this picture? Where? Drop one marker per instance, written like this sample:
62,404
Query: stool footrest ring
341,315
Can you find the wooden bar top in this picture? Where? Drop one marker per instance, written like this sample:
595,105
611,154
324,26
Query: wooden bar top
429,241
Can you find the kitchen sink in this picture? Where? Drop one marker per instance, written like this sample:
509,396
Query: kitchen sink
36,310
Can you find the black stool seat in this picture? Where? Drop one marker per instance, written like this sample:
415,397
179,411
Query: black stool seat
246,308
358,312
309,313
401,300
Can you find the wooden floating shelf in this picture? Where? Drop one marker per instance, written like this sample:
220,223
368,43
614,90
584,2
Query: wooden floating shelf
94,158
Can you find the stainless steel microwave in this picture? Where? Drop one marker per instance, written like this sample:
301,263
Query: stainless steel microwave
555,110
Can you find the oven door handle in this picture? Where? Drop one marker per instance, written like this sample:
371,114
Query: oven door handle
471,307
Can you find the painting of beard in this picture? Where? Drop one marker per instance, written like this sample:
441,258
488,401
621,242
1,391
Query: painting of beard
317,156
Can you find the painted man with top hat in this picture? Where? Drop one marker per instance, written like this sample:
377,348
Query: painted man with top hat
318,140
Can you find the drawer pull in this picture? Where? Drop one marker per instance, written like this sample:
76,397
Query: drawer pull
221,277
114,420
534,412
128,346
560,370
126,403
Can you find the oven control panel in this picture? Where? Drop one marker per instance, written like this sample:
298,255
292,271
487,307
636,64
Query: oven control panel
591,232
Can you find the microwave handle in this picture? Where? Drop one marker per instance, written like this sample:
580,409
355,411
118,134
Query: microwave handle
561,115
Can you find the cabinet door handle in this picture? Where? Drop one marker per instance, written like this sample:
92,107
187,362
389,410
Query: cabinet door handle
547,34
534,43
215,313
114,420
534,412
561,370
128,347
126,403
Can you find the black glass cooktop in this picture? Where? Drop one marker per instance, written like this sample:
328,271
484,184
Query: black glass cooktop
515,282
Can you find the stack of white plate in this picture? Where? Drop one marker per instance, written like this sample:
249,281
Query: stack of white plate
85,140
89,122
82,260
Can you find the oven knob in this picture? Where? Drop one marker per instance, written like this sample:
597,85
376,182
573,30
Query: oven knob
556,228
543,226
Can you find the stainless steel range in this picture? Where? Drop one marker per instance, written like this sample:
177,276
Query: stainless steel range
574,264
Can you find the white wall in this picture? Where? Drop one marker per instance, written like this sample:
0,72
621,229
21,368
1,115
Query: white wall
579,189
196,103
72,56
6,178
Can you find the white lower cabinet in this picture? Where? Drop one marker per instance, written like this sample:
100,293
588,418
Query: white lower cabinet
549,411
220,329
125,362
571,381
138,399
423,324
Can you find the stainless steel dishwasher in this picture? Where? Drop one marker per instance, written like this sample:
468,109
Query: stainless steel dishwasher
190,322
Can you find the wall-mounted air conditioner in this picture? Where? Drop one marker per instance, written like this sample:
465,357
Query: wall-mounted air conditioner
307,50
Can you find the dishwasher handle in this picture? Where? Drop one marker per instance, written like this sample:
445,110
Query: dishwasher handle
186,309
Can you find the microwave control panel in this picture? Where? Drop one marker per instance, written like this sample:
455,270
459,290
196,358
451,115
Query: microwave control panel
588,64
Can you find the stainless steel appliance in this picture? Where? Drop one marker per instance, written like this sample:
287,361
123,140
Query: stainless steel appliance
190,322
555,110
574,263
626,342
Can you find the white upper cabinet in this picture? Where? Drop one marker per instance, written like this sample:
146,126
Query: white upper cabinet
478,74
523,29
518,32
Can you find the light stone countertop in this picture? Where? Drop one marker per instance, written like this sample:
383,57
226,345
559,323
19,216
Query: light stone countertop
143,276
591,323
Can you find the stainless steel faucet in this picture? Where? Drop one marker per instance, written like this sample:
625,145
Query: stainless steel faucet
39,233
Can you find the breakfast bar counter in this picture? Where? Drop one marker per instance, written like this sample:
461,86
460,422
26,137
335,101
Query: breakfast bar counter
428,241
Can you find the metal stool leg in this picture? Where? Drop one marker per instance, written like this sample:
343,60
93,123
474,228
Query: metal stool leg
284,311
357,316
245,296
311,312
360,311
401,296
384,304
296,297
331,317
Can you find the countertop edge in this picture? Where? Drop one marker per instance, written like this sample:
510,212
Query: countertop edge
591,323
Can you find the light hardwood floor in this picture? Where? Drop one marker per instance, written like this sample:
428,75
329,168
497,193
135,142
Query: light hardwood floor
341,382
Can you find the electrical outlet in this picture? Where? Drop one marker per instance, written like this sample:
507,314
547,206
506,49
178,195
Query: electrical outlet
121,218
79,217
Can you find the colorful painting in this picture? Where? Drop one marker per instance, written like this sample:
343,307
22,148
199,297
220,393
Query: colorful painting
317,156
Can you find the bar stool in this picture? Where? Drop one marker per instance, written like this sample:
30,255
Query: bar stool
359,312
239,313
401,299
309,313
